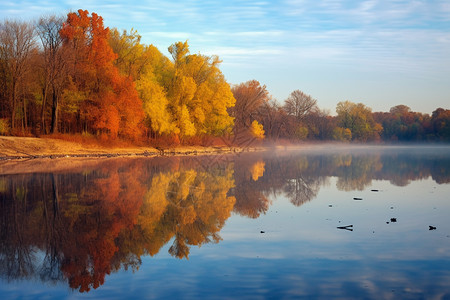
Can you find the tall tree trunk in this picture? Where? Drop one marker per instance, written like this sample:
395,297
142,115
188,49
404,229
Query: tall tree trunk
25,122
54,127
44,100
13,105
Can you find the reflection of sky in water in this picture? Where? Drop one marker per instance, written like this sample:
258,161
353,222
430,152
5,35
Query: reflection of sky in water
302,253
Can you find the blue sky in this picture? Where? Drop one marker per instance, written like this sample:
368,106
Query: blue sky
380,53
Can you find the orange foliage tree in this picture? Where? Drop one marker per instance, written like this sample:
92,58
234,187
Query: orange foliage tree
111,104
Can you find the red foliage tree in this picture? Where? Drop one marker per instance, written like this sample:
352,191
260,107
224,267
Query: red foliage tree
112,105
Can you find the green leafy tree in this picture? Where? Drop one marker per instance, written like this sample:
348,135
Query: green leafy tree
358,119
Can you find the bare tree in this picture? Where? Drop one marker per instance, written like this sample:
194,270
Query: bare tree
17,43
250,96
299,104
54,65
273,118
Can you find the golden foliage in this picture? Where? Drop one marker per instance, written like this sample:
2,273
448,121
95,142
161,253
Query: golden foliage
257,170
257,130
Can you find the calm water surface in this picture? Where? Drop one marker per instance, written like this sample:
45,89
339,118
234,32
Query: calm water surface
259,225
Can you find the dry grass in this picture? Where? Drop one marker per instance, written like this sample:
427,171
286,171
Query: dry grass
92,141
64,145
78,145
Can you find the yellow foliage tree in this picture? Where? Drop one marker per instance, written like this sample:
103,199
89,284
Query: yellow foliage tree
198,95
257,130
155,105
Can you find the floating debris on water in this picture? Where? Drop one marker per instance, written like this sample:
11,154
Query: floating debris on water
432,227
374,190
356,198
393,220
348,227
263,231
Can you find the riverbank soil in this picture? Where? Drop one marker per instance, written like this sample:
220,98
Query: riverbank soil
31,147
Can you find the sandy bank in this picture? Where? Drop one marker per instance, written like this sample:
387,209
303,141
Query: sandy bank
31,153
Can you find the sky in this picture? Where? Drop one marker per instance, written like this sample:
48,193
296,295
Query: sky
379,53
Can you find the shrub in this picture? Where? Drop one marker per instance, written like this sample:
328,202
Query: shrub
4,127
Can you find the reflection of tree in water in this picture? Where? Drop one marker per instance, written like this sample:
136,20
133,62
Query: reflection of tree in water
250,201
50,270
355,172
83,225
191,207
293,176
17,258
300,190
402,169
300,175
260,177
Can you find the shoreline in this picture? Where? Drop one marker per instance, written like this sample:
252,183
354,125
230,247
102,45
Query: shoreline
199,150
26,148
22,155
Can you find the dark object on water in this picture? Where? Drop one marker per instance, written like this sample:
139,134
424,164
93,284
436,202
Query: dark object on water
262,231
432,227
330,205
393,220
356,198
348,227
374,190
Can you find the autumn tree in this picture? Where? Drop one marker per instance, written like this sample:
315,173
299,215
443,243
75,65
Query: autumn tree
358,119
17,44
400,110
257,130
250,97
402,124
130,58
320,124
198,94
111,103
342,134
149,69
440,120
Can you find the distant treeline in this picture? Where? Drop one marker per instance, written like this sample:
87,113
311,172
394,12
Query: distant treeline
72,75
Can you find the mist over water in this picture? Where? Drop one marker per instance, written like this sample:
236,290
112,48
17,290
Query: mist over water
317,221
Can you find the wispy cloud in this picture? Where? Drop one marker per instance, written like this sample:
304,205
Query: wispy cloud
171,35
244,52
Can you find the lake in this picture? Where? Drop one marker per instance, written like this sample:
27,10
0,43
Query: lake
323,222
